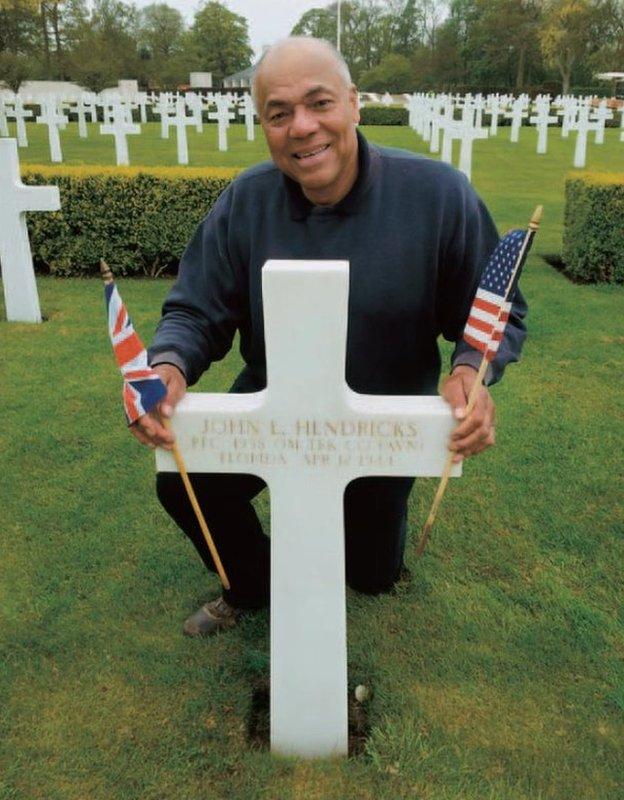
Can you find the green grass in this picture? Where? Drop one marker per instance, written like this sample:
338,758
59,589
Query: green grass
497,670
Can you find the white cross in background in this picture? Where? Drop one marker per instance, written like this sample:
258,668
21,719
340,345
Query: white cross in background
163,108
180,122
18,276
582,125
494,109
195,106
600,116
19,114
518,112
51,117
308,435
120,128
4,126
247,110
542,120
223,117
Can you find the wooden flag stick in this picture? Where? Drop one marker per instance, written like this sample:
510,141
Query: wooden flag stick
107,277
474,392
177,455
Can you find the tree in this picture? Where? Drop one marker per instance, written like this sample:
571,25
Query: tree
14,68
568,35
220,41
107,48
160,30
393,74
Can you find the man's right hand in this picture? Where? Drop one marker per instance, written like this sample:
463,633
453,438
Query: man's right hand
149,429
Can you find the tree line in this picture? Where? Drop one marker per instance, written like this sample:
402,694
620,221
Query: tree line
394,45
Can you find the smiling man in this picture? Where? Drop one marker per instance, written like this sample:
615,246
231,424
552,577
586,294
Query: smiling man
416,237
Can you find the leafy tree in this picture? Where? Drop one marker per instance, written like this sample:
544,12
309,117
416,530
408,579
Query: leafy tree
567,35
107,46
393,74
19,26
220,41
14,68
160,30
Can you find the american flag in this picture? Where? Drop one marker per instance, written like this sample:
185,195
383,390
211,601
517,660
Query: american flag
142,388
490,311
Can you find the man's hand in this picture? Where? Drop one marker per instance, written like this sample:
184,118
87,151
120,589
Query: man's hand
476,432
149,429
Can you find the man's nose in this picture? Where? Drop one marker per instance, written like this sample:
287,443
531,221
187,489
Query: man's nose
304,122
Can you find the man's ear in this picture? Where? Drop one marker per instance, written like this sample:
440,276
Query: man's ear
353,99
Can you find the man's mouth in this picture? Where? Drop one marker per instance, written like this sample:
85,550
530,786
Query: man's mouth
311,153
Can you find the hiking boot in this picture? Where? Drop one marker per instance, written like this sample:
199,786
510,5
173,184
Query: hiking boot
217,615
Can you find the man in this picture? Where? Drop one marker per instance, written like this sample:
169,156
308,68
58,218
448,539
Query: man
417,238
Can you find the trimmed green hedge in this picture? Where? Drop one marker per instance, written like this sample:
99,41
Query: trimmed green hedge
383,115
593,236
138,220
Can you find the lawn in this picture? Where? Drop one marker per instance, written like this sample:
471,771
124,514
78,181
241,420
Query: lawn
497,668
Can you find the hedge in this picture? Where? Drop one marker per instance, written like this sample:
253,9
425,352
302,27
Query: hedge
593,236
139,220
383,115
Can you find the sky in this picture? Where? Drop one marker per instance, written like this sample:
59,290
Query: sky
268,20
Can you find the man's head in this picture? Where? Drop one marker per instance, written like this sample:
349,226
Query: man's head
308,109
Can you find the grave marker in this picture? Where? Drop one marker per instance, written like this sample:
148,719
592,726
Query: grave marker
20,114
51,117
308,435
18,276
120,128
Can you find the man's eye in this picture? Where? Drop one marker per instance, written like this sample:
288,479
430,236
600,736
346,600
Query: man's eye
322,103
277,116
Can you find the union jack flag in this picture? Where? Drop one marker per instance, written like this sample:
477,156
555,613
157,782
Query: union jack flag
142,388
490,310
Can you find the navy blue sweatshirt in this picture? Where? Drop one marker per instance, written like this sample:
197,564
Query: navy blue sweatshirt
416,236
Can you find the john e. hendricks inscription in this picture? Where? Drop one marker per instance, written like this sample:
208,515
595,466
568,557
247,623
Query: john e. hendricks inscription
307,442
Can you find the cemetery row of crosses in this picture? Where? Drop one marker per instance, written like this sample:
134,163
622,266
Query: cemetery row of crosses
438,119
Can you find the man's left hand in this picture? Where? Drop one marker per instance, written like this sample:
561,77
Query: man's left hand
475,432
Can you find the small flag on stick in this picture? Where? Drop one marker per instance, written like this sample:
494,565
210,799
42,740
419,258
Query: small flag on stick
142,387
143,390
490,310
486,326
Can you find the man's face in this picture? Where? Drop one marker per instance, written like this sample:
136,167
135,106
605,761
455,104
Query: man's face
309,117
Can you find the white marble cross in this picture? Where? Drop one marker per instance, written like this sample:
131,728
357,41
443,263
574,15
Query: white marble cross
470,132
180,122
494,109
441,118
88,99
195,106
120,128
308,435
19,114
600,116
542,120
4,125
142,102
80,111
466,132
568,108
517,114
582,126
163,108
247,110
18,276
51,117
223,117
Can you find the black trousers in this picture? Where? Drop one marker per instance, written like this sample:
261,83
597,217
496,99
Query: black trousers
375,525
